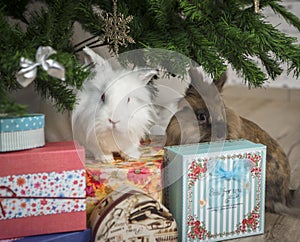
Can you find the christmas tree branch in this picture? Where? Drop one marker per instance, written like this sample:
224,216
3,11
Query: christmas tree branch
47,27
213,33
288,16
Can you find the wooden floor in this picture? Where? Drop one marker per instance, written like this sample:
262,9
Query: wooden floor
277,228
278,112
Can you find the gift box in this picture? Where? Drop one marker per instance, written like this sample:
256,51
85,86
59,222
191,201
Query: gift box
77,236
22,132
129,214
216,191
144,173
42,190
102,179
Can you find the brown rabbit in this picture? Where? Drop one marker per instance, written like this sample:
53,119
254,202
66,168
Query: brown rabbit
193,124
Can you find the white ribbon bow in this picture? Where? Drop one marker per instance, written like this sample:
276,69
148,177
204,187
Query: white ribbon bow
29,68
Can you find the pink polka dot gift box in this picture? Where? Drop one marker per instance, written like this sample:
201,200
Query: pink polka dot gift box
42,190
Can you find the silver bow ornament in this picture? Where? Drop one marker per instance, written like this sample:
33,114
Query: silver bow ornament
29,68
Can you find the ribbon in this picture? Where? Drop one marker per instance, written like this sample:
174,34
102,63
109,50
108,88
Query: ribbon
28,70
12,196
220,194
239,171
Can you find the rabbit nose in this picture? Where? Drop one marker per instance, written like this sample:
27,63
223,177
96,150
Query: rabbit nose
113,122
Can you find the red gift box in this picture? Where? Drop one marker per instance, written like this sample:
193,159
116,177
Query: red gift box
42,190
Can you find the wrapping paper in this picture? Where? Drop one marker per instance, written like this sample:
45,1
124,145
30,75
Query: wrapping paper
43,187
22,132
128,214
144,173
219,191
102,179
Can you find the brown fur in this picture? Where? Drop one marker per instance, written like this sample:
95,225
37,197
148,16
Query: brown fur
184,128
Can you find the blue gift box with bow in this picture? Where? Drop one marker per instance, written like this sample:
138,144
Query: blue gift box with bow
216,190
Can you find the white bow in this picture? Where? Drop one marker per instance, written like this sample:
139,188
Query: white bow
29,68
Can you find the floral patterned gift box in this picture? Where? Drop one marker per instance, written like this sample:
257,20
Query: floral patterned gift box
102,179
144,173
22,132
42,190
216,190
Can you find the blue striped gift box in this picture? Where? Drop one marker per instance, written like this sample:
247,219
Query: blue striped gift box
216,190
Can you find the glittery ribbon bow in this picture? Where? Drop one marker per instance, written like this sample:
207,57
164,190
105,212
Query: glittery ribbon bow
29,68
13,195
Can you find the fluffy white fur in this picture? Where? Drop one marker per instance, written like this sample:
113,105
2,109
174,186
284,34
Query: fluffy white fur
114,110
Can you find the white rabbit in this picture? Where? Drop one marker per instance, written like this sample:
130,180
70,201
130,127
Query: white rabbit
114,109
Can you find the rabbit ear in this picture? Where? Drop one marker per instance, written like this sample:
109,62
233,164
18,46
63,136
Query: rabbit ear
91,57
196,76
197,80
147,76
221,81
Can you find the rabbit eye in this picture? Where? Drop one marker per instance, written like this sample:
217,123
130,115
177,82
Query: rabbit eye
201,117
128,99
103,97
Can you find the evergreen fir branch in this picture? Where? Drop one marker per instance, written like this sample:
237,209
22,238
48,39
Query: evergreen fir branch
9,33
201,48
75,73
265,39
289,17
236,47
87,18
15,9
163,12
191,10
9,58
172,32
231,35
272,66
204,51
211,32
55,90
11,108
52,26
272,40
250,71
293,61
